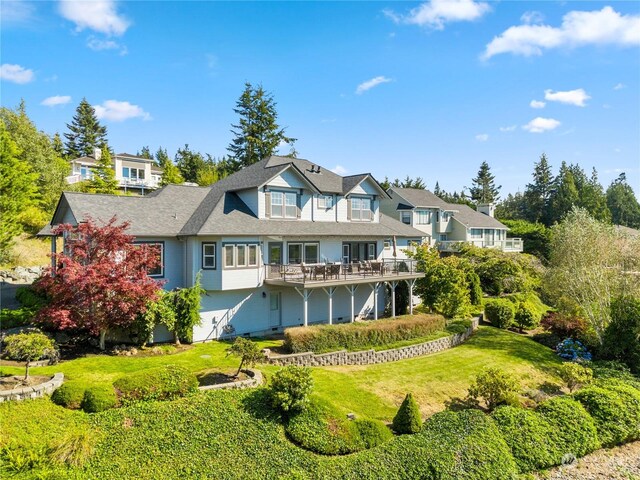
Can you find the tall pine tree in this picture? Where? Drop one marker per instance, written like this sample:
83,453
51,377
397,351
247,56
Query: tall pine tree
257,134
85,132
565,194
537,194
162,157
484,188
623,204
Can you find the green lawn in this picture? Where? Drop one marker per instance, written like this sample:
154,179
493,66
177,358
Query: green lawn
374,391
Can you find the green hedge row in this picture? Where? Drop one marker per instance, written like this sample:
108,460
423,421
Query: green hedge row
326,338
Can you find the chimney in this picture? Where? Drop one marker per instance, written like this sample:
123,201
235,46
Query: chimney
487,209
97,153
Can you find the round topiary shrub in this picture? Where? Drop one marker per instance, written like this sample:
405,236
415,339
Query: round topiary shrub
573,430
371,433
408,419
160,383
526,316
290,388
69,395
630,395
612,415
527,433
99,398
499,312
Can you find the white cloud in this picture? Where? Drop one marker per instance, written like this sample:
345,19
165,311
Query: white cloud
56,100
436,13
540,124
482,137
339,170
16,11
15,73
98,44
98,15
369,84
510,128
532,17
572,97
117,111
619,86
536,104
579,28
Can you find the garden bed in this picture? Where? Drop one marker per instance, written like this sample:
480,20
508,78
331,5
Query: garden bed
216,377
12,382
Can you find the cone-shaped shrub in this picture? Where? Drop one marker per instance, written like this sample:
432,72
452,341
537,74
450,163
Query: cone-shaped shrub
408,419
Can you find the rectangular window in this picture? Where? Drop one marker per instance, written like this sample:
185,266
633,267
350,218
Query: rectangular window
295,252
125,172
445,216
277,204
241,255
405,217
229,257
387,244
443,237
290,205
360,208
311,253
156,249
253,255
372,251
209,256
325,201
476,233
423,217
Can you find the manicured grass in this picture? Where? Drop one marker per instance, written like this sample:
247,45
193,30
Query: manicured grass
374,391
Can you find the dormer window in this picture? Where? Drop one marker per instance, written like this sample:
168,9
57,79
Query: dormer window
405,217
284,204
361,209
423,217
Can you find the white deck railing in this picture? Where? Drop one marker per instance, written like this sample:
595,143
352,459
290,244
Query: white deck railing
508,245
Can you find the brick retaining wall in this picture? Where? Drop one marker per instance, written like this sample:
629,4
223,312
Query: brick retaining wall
35,391
368,357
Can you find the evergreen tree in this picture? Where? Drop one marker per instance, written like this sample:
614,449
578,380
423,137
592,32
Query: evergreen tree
257,134
58,146
565,194
593,198
623,204
436,191
189,163
162,157
85,132
104,176
408,418
145,153
512,208
409,182
171,174
36,148
484,189
17,191
538,193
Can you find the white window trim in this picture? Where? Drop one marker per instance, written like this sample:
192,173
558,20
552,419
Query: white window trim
284,205
325,201
361,209
425,213
215,255
161,244
247,247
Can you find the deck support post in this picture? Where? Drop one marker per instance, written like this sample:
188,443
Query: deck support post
374,287
54,248
330,291
411,283
305,294
394,284
352,290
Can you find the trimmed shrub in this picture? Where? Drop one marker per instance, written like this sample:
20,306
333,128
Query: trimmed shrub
620,340
69,395
575,375
321,428
573,430
290,388
458,326
606,370
527,433
408,418
630,396
475,290
564,326
526,316
613,417
499,312
495,387
372,432
16,318
160,383
29,298
99,398
463,445
326,338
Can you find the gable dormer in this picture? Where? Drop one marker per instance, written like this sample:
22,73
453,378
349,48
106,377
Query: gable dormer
287,195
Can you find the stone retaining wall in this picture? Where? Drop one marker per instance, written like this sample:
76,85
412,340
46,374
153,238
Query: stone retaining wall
254,381
35,391
368,357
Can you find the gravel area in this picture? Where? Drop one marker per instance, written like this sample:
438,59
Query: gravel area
619,463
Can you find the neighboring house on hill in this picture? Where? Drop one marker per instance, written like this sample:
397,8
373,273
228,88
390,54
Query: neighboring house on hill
281,243
134,173
448,224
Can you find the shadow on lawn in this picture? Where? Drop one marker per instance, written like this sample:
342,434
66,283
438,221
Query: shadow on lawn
518,346
257,403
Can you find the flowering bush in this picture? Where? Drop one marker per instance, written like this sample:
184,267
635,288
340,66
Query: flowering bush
573,350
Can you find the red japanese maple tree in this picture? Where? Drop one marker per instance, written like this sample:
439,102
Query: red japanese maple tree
101,280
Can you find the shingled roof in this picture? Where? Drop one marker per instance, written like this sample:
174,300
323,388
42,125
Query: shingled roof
472,219
416,197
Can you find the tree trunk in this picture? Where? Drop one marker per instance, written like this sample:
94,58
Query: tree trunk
176,338
103,334
26,373
240,367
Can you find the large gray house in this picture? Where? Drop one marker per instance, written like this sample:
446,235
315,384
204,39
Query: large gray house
281,243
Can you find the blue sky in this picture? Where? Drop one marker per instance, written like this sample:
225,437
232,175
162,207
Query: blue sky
393,88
